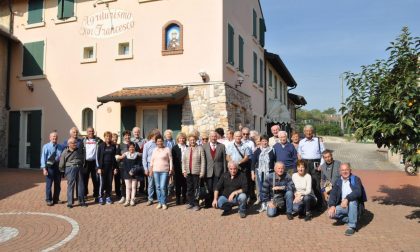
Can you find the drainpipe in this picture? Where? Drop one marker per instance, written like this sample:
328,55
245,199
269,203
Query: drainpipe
9,58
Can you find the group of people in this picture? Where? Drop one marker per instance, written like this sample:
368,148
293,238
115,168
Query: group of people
211,170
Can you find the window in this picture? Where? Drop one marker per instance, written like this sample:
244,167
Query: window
65,9
255,68
241,54
261,72
254,23
275,87
270,78
35,11
87,118
231,38
172,38
281,91
89,54
262,32
124,51
33,59
285,94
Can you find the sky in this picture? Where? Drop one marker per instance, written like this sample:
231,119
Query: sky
319,40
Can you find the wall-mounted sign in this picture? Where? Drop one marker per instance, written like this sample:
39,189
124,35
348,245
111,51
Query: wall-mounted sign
107,23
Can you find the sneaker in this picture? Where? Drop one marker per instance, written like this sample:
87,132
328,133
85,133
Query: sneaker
349,232
159,206
83,204
196,208
263,207
126,204
69,206
50,203
290,216
226,212
308,216
101,201
242,214
108,200
189,206
132,202
164,207
122,200
149,203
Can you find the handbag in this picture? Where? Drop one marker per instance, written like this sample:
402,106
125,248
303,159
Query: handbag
278,198
202,191
328,185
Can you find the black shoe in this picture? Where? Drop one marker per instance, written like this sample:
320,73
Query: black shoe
308,217
69,206
349,232
338,223
242,214
83,204
50,203
226,212
289,216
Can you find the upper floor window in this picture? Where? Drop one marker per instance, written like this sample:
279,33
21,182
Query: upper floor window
270,78
275,87
261,72
65,9
255,65
172,38
231,46
35,12
262,32
241,54
87,118
33,58
254,23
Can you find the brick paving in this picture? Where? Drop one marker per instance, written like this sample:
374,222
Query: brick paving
391,223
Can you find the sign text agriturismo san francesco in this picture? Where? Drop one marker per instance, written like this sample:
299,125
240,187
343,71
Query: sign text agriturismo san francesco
107,23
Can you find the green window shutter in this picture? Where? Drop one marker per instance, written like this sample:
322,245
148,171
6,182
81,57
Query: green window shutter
35,9
270,78
65,9
241,54
33,58
231,34
255,68
254,23
262,32
261,72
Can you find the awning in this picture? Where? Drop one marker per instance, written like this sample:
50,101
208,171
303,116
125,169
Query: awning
277,112
5,33
297,99
158,93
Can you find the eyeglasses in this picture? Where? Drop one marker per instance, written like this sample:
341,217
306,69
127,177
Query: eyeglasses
204,138
245,134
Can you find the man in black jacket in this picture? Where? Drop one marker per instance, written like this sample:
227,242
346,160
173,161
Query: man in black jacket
232,187
347,199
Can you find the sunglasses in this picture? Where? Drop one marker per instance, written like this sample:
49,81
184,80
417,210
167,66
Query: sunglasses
245,134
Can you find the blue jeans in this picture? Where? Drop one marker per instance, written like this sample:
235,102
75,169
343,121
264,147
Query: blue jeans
161,181
150,188
227,205
347,215
260,180
53,177
72,175
305,205
271,212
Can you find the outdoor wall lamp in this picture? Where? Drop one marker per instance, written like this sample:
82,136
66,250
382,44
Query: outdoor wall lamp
203,75
100,1
30,86
239,82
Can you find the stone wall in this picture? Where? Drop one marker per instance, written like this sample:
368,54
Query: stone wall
212,105
3,111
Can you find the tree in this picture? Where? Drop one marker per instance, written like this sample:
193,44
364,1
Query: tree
384,100
330,111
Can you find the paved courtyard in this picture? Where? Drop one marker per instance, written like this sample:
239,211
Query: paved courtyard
392,222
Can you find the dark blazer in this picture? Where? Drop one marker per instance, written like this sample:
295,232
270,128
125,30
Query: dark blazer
217,166
177,159
256,157
100,155
356,194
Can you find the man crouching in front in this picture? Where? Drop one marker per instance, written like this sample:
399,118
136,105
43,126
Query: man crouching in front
346,197
231,187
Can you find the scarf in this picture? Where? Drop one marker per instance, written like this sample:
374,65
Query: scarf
264,161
